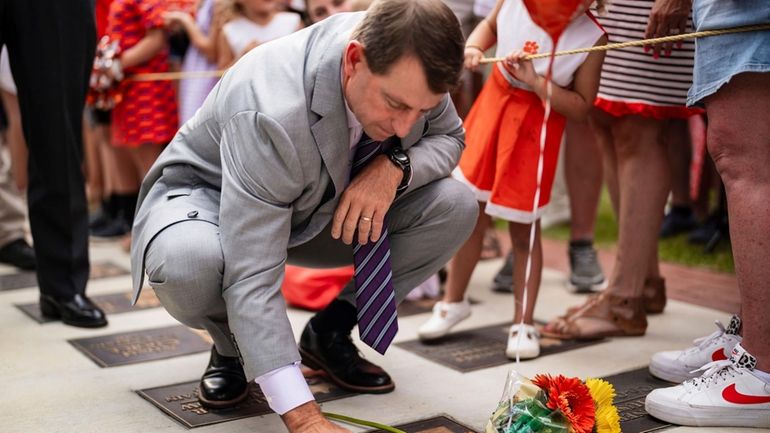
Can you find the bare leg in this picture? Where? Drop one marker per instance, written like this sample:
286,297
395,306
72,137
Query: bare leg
600,123
464,262
93,167
107,159
643,177
144,157
583,171
644,180
520,244
677,138
126,178
738,140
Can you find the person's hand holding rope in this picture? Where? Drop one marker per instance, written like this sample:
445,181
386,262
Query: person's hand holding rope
667,18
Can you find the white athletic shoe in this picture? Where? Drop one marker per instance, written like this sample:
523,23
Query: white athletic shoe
527,345
728,394
445,316
679,365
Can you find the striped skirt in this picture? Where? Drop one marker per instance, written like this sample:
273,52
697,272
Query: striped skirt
632,81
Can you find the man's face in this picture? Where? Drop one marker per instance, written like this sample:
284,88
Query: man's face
319,10
388,104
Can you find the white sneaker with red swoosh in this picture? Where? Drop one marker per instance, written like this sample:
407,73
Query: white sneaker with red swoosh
728,394
679,365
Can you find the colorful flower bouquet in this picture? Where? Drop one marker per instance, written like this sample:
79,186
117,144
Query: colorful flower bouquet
555,404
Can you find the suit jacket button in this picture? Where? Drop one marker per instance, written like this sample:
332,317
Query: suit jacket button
192,214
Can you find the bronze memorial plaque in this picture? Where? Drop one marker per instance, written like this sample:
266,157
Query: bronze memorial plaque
114,303
476,349
180,401
632,387
439,424
142,346
21,280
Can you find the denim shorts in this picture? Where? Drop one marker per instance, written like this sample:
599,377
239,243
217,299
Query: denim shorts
719,58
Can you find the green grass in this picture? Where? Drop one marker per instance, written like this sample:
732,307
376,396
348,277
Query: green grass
674,250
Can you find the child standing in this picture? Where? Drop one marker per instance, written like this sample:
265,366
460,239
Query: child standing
500,161
203,31
255,22
145,118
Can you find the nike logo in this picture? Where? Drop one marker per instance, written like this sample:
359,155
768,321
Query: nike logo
719,355
732,395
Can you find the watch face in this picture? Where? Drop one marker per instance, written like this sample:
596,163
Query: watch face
401,157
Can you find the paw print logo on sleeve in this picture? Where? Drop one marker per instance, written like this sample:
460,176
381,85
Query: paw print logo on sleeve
531,47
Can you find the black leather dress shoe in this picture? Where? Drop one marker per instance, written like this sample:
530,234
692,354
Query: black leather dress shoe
18,253
335,353
223,383
78,311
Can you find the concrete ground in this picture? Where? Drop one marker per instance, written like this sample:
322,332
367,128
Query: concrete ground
48,386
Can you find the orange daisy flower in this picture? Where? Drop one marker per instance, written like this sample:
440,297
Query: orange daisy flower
570,396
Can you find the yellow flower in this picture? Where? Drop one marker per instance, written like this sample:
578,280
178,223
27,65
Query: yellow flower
601,391
607,418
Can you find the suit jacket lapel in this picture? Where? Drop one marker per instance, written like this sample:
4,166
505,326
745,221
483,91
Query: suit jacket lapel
331,131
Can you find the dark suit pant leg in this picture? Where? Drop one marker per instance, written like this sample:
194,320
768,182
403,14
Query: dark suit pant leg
51,45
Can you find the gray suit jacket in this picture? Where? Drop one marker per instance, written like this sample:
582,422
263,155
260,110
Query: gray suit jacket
266,158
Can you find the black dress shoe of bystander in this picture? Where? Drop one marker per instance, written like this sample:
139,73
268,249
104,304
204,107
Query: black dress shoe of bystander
77,311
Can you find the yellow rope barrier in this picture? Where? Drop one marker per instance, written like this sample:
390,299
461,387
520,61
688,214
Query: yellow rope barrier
653,41
169,76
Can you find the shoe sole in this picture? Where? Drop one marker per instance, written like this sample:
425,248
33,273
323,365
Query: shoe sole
432,336
312,362
701,417
586,288
522,356
669,375
221,404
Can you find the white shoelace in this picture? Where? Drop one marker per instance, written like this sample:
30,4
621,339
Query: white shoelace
713,373
704,342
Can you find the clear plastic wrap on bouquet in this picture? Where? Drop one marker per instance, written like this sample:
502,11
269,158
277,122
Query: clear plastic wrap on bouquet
522,409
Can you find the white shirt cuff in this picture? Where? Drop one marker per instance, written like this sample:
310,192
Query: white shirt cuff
285,388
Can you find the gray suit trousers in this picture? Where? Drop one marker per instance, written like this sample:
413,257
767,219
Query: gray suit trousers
184,262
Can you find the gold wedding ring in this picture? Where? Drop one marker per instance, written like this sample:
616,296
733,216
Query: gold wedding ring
366,219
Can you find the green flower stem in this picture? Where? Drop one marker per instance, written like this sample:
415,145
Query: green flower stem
362,422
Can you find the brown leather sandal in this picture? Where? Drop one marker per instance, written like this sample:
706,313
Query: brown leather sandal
620,317
653,295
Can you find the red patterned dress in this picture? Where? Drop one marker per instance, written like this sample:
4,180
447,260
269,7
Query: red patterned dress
147,114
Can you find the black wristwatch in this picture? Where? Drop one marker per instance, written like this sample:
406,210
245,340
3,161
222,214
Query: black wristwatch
401,160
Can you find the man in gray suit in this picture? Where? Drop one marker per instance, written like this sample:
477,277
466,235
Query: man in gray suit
272,170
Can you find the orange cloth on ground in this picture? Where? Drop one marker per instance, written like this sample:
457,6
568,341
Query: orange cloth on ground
502,150
314,289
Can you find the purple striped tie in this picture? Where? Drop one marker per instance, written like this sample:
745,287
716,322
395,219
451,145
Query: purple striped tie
375,297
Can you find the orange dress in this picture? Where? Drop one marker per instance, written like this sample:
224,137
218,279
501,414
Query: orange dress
500,161
147,113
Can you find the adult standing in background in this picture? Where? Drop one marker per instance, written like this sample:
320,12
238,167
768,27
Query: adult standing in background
732,80
51,90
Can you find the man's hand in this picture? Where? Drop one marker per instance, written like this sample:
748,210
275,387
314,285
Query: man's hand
365,202
307,418
668,17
